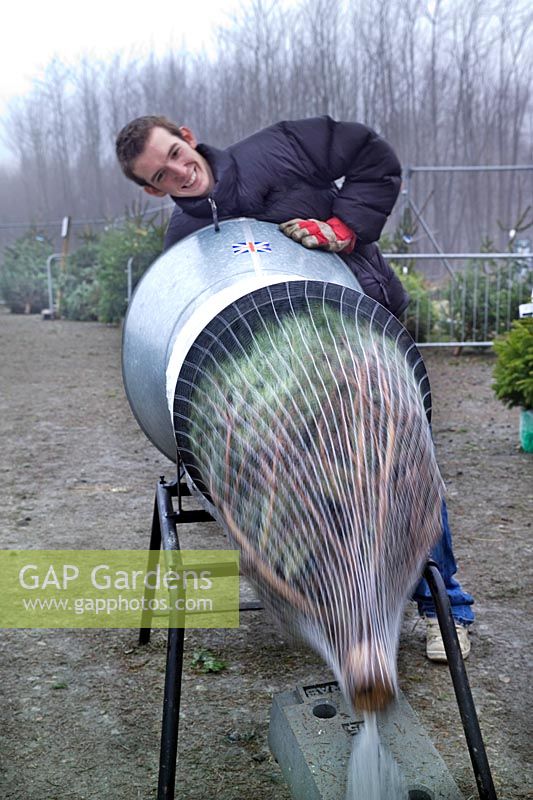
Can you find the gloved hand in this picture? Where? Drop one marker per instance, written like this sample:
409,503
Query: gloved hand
332,235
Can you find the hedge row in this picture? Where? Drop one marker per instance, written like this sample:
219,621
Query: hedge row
94,284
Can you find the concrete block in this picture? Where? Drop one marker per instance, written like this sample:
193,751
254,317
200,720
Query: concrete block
311,730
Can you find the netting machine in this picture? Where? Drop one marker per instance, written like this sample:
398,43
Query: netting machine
297,411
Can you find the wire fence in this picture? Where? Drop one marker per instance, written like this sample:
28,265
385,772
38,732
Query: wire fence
476,303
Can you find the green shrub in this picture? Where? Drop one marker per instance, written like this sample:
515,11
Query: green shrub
80,290
116,246
513,373
419,316
23,282
81,303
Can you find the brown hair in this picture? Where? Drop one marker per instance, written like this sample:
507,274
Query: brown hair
132,139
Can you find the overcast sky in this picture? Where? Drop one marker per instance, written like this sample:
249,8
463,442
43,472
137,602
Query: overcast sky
34,31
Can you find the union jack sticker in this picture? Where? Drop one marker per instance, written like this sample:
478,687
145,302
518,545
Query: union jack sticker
251,247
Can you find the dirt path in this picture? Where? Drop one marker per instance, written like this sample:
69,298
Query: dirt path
81,709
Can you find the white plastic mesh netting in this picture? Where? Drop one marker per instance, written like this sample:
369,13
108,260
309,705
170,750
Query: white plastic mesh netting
302,415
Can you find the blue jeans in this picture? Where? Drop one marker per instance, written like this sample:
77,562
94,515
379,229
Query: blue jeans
442,554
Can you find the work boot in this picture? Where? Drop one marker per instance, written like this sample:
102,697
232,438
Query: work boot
435,646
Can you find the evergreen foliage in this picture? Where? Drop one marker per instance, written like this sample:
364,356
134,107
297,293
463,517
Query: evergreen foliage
116,246
94,284
79,285
23,284
420,315
513,373
483,299
309,432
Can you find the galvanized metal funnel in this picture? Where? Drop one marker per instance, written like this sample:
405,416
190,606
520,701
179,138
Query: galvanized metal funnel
186,288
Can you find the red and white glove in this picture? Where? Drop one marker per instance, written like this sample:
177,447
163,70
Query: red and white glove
332,235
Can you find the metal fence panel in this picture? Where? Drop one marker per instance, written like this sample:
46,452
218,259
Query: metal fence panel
477,302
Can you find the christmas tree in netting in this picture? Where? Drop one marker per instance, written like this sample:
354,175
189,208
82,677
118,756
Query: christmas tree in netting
301,413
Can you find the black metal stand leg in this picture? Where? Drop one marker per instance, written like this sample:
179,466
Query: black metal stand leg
155,546
467,709
165,536
165,528
171,710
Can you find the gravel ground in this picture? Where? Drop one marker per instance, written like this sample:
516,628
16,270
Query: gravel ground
81,710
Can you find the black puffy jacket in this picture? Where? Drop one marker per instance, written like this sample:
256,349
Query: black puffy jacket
288,170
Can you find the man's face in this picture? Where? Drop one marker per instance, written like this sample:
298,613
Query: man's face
171,165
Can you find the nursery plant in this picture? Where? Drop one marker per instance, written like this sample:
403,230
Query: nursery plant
23,273
513,374
142,242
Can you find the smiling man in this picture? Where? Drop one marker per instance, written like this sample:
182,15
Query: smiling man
170,164
285,174
288,174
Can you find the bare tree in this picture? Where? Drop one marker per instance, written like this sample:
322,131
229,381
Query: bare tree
445,82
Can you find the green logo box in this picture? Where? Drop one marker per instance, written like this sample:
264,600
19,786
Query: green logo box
119,589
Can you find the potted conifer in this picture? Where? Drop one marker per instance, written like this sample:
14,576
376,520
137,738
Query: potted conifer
513,375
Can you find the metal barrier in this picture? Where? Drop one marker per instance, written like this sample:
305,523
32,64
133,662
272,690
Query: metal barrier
471,307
